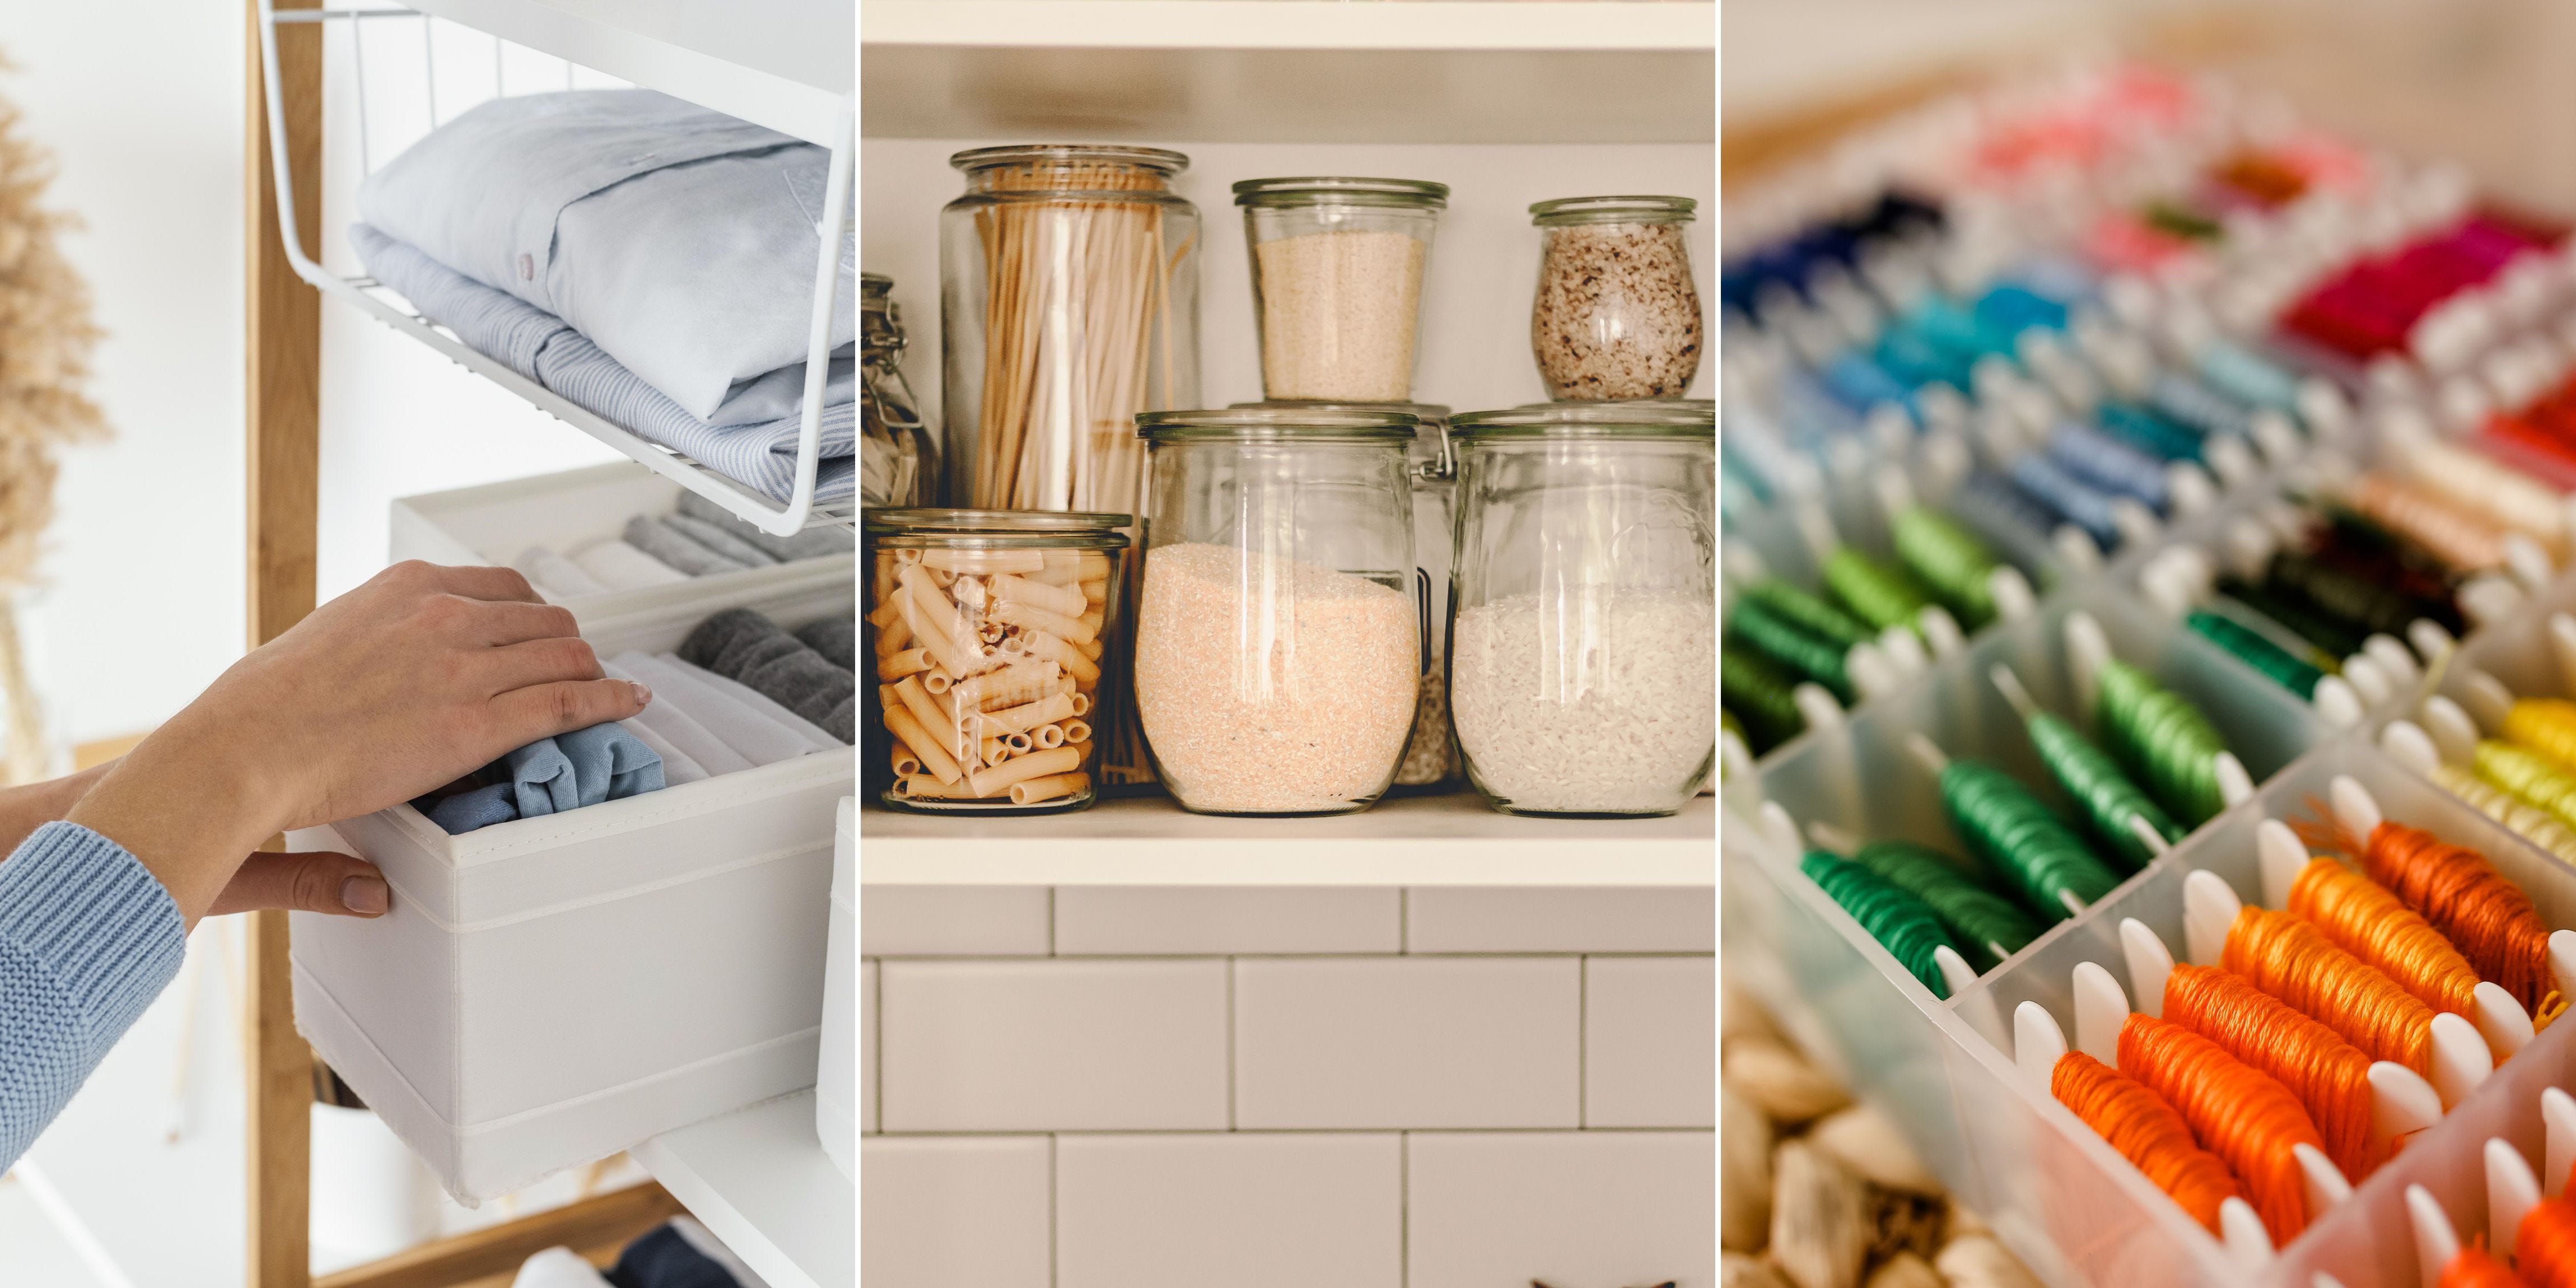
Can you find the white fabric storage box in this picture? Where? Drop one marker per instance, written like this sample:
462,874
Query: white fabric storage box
496,522
836,1080
549,991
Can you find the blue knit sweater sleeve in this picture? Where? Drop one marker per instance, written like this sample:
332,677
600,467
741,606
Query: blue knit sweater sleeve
88,938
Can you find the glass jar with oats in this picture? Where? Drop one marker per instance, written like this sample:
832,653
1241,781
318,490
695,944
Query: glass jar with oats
993,634
1617,314
1337,272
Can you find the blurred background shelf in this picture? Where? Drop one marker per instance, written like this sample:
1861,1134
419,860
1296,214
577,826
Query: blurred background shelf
758,1179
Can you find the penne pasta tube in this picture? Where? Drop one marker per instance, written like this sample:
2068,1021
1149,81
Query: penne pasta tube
886,613
931,789
986,560
1061,568
936,682
940,577
1092,619
1021,719
911,661
942,766
906,764
1072,630
1067,686
1047,735
931,598
894,637
1054,649
1018,769
1076,731
886,699
996,751
1096,592
1090,565
1031,791
1064,600
926,709
1082,704
951,658
969,592
1091,650
1024,681
906,556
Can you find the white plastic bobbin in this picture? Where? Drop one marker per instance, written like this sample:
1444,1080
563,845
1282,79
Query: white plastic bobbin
2562,648
2405,742
2451,729
1895,493
2150,964
2038,1044
2087,651
2461,1059
2136,523
2368,680
1815,527
2562,961
2209,907
2275,436
2190,488
2325,1183
2430,641
2486,698
2235,785
2488,598
2558,1130
2075,548
2249,547
2230,460
1779,830
1741,562
2280,858
2528,563
1735,756
1941,630
2436,1241
1888,428
2325,409
2512,1191
2396,659
1956,975
1869,671
2014,599
2248,1244
2337,702
2100,1011
2402,1103
2167,587
1904,650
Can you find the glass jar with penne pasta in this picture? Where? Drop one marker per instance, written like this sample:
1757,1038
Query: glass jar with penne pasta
1279,640
993,636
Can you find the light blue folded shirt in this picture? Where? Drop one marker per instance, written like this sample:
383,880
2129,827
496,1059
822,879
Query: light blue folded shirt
604,762
681,241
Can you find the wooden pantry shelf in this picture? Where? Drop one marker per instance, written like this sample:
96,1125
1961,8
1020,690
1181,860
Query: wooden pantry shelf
1315,71
1415,841
759,1180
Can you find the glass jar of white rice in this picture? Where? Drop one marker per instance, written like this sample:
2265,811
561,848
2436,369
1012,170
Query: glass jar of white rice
1583,606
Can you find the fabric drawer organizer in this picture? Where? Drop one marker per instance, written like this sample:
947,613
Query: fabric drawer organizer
2060,1196
549,991
497,523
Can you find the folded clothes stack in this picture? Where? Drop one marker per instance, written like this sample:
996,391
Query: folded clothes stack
655,550
645,258
739,693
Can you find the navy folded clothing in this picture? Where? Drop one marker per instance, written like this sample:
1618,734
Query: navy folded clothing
759,454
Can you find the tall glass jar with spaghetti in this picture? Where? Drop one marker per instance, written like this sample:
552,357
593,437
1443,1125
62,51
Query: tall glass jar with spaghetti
1068,304
1278,638
897,464
993,635
1583,606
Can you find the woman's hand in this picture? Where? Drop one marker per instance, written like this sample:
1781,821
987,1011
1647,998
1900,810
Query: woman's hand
412,680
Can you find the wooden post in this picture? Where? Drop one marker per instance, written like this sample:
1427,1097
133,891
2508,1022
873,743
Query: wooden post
282,342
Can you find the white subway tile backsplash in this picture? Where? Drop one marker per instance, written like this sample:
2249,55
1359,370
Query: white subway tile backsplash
1406,1042
1226,919
954,1212
867,1045
1650,1042
1561,919
1244,1211
1572,1209
1052,1045
953,921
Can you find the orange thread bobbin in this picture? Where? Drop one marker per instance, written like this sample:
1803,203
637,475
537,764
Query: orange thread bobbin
2473,1268
2544,1251
2147,1132
2363,918
2292,960
2489,918
2330,1076
2236,1110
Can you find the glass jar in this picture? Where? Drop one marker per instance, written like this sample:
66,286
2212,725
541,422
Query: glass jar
1617,314
1337,269
994,635
898,466
1583,606
1431,756
1069,302
1279,638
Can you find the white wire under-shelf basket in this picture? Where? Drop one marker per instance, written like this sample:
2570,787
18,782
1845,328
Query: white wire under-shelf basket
465,50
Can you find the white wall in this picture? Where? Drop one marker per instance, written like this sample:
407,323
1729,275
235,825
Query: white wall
1484,265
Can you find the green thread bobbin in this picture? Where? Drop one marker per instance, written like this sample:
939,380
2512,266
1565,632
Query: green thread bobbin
1811,657
1900,922
1877,593
2046,860
2249,646
1985,926
2099,788
2163,739
1956,566
1813,615
1758,691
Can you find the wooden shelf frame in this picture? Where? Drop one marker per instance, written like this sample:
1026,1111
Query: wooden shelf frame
282,342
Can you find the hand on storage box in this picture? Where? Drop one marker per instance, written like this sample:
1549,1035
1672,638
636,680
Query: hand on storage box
411,680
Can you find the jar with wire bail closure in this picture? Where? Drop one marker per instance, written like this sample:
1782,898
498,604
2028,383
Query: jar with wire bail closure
1583,606
1617,315
993,634
1337,272
1279,638
898,465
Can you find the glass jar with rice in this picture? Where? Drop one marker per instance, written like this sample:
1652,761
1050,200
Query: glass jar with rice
993,635
1279,636
1337,272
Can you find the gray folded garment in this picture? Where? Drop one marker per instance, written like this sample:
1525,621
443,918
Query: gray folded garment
674,547
836,638
742,645
812,543
719,540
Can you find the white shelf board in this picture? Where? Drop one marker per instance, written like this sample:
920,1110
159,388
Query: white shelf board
758,1179
1414,841
1326,71
784,64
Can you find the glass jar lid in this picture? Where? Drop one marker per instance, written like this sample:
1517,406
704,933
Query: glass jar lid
1612,210
996,529
1427,413
1664,418
1069,160
1329,191
1277,423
